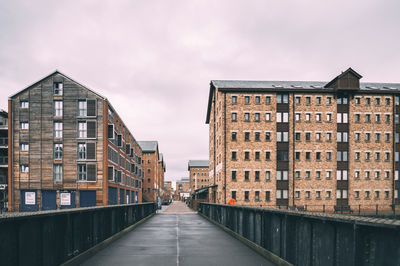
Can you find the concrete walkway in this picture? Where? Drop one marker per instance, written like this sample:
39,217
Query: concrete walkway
173,238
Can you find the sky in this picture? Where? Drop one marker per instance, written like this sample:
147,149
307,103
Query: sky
154,59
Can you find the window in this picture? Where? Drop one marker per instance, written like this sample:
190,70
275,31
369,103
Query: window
318,174
246,175
57,173
257,195
247,117
396,117
24,104
267,136
308,175
246,195
234,156
387,174
387,101
386,194
267,175
268,100
282,136
234,117
328,194
81,172
318,156
308,117
282,98
297,155
308,155
318,117
82,105
267,116
377,137
58,108
87,172
357,118
267,195
387,119
297,136
257,136
58,88
367,175
282,155
377,175
257,100
328,117
257,117
367,118
341,175
246,155
24,146
86,151
82,129
308,100
367,101
342,137
328,175
328,155
367,155
87,129
234,99
308,193
377,118
267,155
308,136
328,136
246,136
24,125
58,129
387,137
377,156
297,194
318,100
234,136
24,168
356,174
58,151
342,100
357,156
397,100
367,137
377,101
247,99
358,101
329,100
357,137
397,137
82,151
341,194
297,115
342,156
298,100
234,195
356,194
257,156
282,175
297,174
233,175
367,194
387,156
342,118
257,175
318,194
282,117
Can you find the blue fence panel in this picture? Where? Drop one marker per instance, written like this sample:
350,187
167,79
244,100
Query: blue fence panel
72,201
49,200
121,196
132,196
87,198
29,201
112,196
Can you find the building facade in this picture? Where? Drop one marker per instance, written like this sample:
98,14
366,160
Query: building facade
198,174
182,188
3,159
283,143
69,148
154,168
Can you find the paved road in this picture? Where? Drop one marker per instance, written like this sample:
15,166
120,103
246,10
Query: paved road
173,238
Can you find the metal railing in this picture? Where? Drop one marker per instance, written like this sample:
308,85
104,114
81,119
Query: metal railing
304,238
54,237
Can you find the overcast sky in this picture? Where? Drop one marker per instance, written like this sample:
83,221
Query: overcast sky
154,59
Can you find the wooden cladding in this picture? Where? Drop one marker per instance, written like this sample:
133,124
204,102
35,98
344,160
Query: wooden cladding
91,107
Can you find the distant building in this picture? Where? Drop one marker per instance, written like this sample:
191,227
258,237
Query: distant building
183,188
69,149
198,174
154,168
284,143
3,159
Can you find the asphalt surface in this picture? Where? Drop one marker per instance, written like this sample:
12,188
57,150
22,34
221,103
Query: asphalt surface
177,236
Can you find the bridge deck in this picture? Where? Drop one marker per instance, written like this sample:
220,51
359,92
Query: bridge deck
177,236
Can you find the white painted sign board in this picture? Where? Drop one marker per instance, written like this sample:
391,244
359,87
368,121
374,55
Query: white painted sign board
65,198
30,198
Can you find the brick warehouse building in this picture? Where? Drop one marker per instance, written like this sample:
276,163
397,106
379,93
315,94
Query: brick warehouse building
198,174
69,148
305,143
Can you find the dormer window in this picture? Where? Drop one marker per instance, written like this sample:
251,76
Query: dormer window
58,88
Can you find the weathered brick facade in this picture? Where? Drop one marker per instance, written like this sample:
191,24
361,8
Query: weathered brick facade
198,174
304,143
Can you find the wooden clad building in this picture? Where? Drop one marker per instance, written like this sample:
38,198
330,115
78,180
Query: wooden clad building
69,148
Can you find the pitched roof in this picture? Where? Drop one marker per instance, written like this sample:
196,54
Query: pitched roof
285,86
148,146
197,163
51,74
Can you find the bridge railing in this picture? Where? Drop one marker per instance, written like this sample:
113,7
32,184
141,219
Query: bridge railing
54,237
304,238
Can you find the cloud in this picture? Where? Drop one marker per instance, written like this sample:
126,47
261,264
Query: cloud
154,59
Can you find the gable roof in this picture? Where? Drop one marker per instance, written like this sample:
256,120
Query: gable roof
348,71
148,146
52,74
197,163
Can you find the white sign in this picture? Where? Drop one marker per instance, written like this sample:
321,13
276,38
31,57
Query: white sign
30,198
127,199
3,186
65,198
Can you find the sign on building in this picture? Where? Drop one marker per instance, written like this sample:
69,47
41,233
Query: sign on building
30,198
65,198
